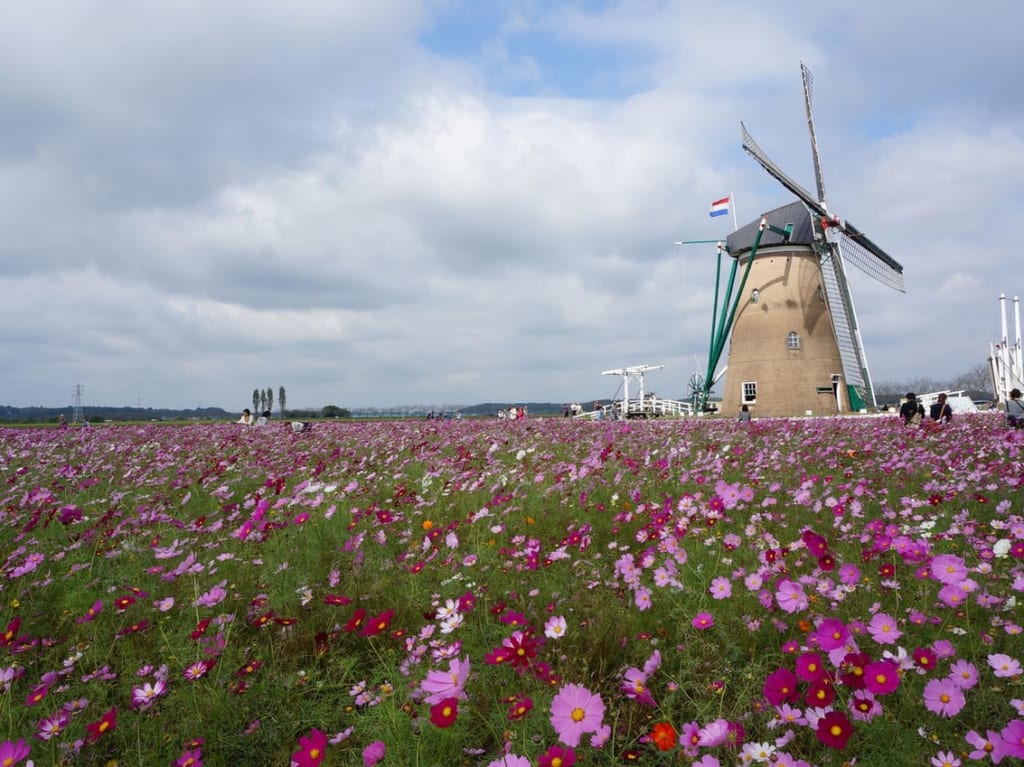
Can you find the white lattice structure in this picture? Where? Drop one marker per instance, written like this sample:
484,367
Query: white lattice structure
1005,358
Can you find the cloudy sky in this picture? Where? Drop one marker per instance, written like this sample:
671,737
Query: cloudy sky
460,201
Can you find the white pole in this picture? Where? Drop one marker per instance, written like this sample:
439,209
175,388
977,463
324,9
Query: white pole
732,199
1018,367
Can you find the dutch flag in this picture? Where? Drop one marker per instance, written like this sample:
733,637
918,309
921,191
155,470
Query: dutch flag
720,207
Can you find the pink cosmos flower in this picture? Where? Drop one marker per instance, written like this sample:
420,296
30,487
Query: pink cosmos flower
946,759
883,629
721,588
510,760
634,685
555,627
944,697
440,684
575,710
790,596
1003,665
1013,738
374,753
948,569
964,674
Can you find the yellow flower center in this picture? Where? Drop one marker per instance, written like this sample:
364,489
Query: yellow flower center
314,753
836,730
578,714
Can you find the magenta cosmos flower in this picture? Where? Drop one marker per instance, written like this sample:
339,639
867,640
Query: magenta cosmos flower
373,753
311,750
575,710
12,752
702,621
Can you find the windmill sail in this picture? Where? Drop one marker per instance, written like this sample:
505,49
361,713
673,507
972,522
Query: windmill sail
858,249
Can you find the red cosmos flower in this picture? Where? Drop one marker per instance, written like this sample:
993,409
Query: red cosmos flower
263,620
37,695
925,658
11,632
521,705
444,713
356,620
123,603
135,628
336,599
834,729
557,756
887,570
249,668
522,648
200,628
853,666
820,693
107,723
815,543
664,736
780,687
377,624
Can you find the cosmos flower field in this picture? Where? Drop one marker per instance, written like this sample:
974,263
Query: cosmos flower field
536,593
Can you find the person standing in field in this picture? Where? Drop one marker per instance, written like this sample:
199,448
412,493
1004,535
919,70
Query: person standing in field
911,411
1015,410
940,411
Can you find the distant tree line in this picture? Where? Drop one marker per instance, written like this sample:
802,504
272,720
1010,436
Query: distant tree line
98,414
976,382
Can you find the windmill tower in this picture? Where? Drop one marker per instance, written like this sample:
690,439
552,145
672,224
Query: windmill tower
795,344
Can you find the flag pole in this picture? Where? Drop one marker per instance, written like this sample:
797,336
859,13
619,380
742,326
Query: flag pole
735,225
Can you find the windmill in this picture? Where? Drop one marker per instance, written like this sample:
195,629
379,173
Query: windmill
795,344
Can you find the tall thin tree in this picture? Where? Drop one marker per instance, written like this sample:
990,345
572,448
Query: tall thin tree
256,400
270,398
280,401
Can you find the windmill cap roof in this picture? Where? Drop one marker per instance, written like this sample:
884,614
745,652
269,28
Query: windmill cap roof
795,213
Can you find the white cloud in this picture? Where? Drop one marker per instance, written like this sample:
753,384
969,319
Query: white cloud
200,200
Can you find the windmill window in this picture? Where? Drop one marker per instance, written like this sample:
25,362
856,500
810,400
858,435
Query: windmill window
749,392
793,341
754,295
821,294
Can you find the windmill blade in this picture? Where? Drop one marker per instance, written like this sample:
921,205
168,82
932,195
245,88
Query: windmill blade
819,180
884,270
858,250
750,147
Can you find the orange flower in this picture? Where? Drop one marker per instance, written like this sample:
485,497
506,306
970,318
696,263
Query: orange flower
664,736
